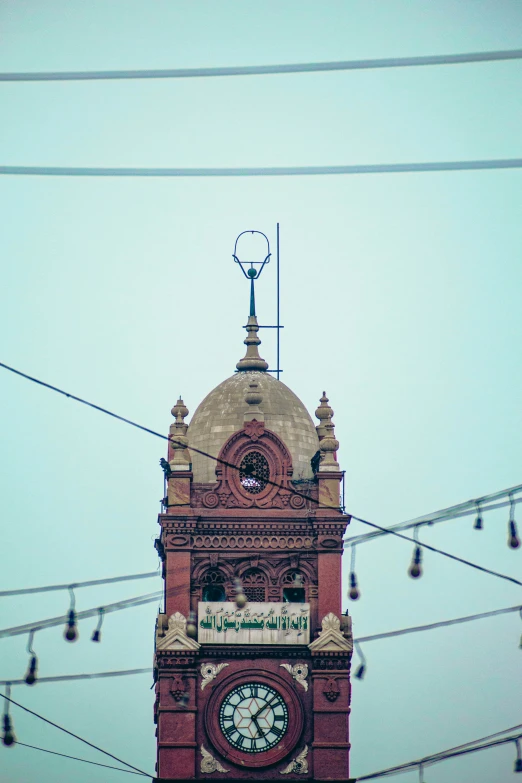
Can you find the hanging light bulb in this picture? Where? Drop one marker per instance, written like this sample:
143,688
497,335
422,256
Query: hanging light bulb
9,736
96,634
361,669
415,569
71,632
513,539
518,760
30,676
354,592
478,520
192,630
240,598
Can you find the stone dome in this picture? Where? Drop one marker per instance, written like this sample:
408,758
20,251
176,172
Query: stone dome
222,413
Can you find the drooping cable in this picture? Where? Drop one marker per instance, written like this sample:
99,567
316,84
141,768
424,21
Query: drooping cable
263,171
53,621
440,551
476,505
471,747
258,70
76,585
75,758
71,734
441,624
266,480
77,677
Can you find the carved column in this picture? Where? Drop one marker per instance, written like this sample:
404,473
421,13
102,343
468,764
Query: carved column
331,655
175,710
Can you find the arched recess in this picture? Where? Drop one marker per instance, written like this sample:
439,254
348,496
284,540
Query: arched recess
255,583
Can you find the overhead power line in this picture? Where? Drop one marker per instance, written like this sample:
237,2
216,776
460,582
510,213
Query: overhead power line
442,756
76,585
440,552
71,734
75,677
128,603
75,758
263,171
259,70
481,504
267,481
441,624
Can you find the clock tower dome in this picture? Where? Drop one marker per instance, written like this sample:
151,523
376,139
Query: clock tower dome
252,651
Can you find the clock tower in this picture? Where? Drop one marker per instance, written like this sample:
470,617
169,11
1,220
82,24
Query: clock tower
252,651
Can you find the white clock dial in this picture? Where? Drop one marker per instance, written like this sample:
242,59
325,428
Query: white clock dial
253,717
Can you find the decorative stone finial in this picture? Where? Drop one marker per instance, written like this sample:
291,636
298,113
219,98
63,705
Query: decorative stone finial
323,413
252,360
180,409
178,434
328,445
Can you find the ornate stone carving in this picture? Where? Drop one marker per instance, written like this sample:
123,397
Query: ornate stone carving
331,689
330,639
299,766
299,672
254,541
254,429
209,764
178,687
176,637
209,671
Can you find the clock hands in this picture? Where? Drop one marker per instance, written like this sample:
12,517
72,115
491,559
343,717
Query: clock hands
268,704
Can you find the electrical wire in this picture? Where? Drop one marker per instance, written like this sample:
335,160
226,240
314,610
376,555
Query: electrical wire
127,603
441,624
263,171
75,758
267,481
74,677
76,585
440,552
257,70
446,514
71,734
442,756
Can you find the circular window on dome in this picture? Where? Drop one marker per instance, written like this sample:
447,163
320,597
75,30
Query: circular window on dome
254,472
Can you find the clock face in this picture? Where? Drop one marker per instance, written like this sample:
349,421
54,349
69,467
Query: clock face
253,717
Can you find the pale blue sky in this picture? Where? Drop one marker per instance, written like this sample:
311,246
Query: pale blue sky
400,297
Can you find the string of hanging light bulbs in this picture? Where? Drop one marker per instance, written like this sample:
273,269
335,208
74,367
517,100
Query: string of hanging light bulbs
476,506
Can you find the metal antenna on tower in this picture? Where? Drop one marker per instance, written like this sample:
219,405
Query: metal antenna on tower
249,267
252,271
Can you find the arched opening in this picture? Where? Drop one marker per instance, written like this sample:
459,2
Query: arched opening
214,586
293,587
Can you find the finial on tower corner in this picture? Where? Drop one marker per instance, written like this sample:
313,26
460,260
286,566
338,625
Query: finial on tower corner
328,445
323,413
178,436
